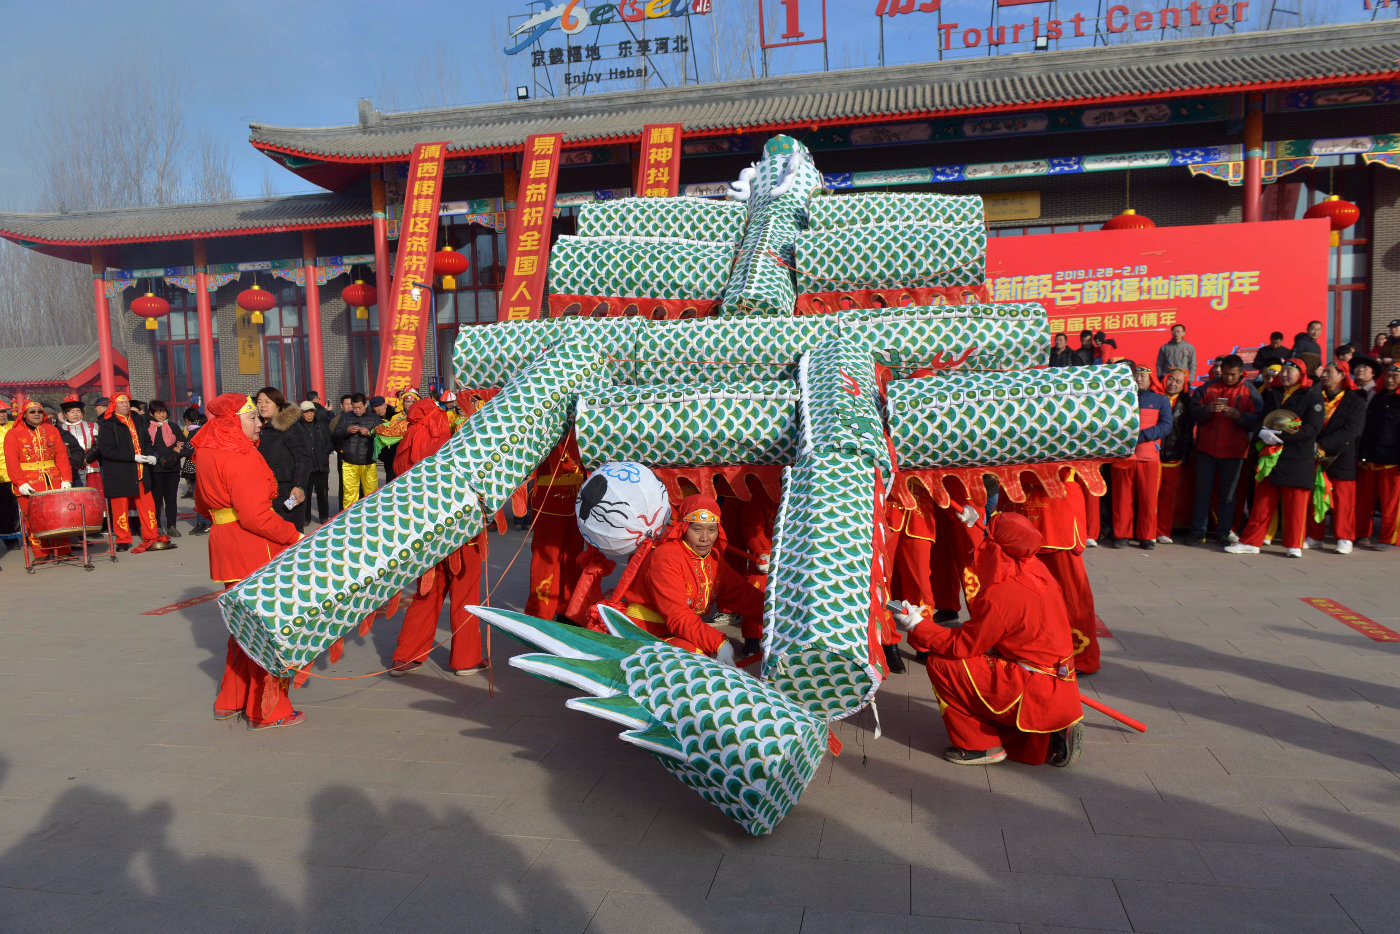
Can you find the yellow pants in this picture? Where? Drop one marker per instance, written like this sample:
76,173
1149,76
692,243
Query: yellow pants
359,481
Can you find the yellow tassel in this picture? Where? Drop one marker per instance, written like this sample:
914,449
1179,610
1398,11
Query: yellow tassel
361,312
449,283
1335,238
151,324
256,317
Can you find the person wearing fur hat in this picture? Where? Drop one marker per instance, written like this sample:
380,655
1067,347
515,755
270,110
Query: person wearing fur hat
236,491
36,461
685,579
1005,679
1285,482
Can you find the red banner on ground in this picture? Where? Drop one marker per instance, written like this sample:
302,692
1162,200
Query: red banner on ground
402,334
659,171
1230,284
1362,624
528,251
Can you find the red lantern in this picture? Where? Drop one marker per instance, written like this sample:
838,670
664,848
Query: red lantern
1340,214
360,296
150,306
257,300
449,264
1129,220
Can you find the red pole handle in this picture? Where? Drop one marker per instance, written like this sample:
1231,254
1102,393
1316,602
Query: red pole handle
1120,717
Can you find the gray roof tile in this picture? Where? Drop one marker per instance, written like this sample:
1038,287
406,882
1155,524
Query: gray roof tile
176,221
1312,54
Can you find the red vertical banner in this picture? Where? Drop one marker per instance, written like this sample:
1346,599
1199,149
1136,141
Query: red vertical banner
658,176
402,333
528,253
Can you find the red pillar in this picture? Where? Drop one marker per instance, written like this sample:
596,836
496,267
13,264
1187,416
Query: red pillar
208,363
313,314
380,221
1253,158
105,367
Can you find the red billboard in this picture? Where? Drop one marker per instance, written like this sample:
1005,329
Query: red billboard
1230,284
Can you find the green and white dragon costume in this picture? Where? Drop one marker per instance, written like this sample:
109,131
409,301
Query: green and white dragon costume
754,384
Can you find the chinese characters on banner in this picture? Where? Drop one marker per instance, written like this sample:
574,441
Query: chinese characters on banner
401,341
658,171
528,256
249,344
1229,284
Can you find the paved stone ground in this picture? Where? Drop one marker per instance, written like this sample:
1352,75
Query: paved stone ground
1264,798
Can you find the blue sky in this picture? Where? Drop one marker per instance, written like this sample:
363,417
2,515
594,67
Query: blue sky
307,62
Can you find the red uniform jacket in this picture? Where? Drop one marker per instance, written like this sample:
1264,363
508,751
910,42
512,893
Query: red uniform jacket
243,483
677,587
36,456
1016,651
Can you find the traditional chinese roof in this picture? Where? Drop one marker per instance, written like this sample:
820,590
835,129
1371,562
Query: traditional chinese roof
1312,56
79,229
54,365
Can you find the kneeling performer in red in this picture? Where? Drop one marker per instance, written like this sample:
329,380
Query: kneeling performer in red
683,580
1005,679
235,490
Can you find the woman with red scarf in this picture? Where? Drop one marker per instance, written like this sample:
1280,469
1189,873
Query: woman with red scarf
236,490
684,579
458,576
1005,679
128,459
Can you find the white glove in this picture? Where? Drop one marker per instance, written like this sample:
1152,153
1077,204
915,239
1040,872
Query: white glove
26,490
64,485
1269,436
145,459
763,564
911,616
725,655
969,516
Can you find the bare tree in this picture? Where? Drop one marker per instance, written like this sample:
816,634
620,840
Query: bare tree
119,144
731,45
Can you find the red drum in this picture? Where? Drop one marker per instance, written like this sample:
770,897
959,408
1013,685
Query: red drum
61,513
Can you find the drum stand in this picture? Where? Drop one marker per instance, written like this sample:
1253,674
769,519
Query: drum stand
32,560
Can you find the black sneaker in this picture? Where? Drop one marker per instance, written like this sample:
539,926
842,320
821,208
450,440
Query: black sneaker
752,647
1065,746
959,756
1148,545
1120,543
921,658
894,659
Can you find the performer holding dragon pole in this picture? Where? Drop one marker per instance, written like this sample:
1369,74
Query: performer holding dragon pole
1005,679
236,489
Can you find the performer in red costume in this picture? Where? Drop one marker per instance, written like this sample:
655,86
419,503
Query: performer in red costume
1140,477
929,549
683,579
458,575
1059,522
235,490
37,461
555,543
1005,679
128,457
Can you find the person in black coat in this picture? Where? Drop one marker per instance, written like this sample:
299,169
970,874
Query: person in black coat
1378,480
285,446
1060,354
1288,486
128,460
170,444
319,432
1344,416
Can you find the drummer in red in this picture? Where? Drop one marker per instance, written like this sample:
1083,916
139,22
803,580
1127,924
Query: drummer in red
457,577
684,580
1005,679
37,461
235,490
